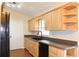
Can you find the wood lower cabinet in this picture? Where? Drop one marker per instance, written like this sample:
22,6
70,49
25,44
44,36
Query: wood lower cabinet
56,52
42,50
32,46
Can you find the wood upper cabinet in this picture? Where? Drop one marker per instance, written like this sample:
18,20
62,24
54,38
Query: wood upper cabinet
36,24
48,21
53,20
30,23
64,18
57,19
33,24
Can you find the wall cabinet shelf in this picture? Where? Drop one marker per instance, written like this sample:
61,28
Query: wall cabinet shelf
70,23
70,7
70,15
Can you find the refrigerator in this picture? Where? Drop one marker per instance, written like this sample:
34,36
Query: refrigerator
4,34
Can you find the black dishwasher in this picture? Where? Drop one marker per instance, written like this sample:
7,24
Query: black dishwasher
43,50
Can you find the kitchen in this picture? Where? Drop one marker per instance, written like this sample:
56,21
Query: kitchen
50,31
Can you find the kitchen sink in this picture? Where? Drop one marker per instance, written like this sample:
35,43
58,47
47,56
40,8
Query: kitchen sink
37,37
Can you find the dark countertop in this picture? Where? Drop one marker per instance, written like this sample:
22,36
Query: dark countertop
56,42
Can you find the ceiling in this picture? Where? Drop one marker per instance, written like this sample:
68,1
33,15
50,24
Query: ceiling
34,8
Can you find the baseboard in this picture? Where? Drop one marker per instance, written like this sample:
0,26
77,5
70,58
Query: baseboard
16,49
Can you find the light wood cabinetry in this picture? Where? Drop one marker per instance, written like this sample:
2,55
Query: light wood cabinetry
57,19
56,52
53,20
64,18
30,27
32,46
48,21
70,16
33,24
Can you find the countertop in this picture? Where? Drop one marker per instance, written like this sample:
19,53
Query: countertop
56,42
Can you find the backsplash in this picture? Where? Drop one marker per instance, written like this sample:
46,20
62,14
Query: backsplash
61,32
68,35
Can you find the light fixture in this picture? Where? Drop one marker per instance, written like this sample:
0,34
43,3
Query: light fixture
14,4
19,6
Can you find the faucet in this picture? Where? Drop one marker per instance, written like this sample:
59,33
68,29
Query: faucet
41,33
38,33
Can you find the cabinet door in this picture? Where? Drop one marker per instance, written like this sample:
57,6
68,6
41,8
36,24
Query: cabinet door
57,19
26,43
60,20
33,24
52,51
32,46
54,20
30,25
48,21
56,52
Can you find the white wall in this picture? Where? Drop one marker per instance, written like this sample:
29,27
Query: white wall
17,30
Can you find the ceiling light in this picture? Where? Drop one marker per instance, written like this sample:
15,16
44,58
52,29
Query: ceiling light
19,6
14,4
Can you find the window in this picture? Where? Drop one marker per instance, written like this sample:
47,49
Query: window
42,27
